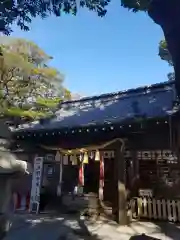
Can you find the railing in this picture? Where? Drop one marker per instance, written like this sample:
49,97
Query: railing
155,209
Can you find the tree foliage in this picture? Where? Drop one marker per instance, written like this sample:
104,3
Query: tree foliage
163,12
164,52
28,86
135,5
23,11
166,56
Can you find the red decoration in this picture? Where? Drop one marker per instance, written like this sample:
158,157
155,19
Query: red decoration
101,177
81,174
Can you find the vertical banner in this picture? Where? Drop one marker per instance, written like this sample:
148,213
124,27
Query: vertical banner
101,177
36,184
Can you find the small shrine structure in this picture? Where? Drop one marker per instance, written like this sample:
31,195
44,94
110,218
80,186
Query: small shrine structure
121,146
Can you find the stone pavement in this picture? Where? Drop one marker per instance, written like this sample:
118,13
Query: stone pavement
65,227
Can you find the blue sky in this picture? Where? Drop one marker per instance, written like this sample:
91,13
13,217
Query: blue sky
100,55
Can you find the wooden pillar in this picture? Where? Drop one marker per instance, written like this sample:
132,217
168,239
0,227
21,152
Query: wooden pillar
59,187
121,194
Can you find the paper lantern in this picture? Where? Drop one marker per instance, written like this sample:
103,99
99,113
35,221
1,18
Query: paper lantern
91,155
71,158
74,160
97,156
65,159
58,156
85,159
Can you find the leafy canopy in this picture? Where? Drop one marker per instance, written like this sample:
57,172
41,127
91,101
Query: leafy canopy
164,52
166,56
28,86
23,11
135,5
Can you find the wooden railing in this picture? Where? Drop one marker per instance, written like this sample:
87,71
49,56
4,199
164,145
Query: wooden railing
155,209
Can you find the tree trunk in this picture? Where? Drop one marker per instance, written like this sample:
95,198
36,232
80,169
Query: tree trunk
166,13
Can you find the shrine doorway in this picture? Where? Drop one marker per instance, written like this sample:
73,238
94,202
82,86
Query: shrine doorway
91,176
109,182
48,191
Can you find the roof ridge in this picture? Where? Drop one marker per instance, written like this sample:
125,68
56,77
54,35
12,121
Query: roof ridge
128,91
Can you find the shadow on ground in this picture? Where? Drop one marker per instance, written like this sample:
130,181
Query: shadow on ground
171,230
67,227
51,227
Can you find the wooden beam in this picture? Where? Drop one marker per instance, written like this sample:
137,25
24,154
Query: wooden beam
120,175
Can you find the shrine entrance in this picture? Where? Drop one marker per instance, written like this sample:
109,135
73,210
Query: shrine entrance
91,170
109,181
96,175
48,190
91,177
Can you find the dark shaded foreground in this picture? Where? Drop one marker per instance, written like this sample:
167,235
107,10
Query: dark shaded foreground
67,227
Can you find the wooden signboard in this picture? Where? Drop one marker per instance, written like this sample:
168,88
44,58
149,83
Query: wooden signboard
145,193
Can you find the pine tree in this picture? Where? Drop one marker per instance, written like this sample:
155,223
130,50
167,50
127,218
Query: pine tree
28,86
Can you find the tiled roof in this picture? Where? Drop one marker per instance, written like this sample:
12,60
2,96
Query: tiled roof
148,102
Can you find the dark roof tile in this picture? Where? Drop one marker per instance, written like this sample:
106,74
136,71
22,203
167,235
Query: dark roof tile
150,102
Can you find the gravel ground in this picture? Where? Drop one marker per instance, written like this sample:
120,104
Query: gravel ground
65,227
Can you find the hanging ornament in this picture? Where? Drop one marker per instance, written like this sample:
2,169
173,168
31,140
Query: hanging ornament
97,155
85,159
81,157
74,159
91,155
71,158
58,156
65,159
112,154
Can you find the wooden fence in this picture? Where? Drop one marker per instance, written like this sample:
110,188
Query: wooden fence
155,209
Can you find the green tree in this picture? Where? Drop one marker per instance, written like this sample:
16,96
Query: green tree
166,56
28,86
164,52
21,12
165,13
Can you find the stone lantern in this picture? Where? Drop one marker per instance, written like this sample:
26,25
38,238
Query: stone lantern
10,168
